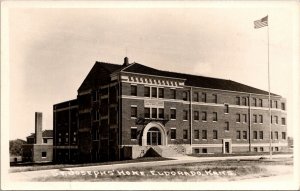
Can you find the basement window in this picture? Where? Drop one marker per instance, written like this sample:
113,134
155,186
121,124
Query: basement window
44,154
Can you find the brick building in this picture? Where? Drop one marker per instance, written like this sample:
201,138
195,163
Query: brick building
39,145
128,110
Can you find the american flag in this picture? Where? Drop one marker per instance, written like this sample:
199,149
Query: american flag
261,22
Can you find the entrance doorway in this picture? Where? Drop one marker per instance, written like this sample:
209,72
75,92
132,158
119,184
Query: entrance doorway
227,146
153,136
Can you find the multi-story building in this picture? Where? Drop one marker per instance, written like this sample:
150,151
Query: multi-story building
122,111
39,145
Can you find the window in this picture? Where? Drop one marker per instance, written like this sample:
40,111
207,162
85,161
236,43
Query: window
133,133
185,134
276,119
185,96
74,137
276,149
283,106
260,102
96,115
226,126
204,116
283,122
271,135
94,96
255,149
238,117
255,118
196,96
147,112
238,101
133,111
261,149
261,135
215,134
215,116
161,113
215,98
147,91
254,102
173,133
173,113
244,101
238,134
160,92
133,90
244,134
276,134
44,154
185,114
283,134
226,108
245,118
196,134
173,93
45,140
154,92
67,137
261,119
154,113
271,105
203,97
204,134
276,104
196,115
254,134
197,151
204,150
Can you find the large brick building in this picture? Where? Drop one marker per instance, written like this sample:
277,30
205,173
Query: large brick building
124,111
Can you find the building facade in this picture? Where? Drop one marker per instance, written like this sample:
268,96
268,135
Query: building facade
39,145
124,111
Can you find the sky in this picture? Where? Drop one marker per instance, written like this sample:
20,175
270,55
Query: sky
51,50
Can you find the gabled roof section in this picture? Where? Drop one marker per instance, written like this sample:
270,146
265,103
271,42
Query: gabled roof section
196,81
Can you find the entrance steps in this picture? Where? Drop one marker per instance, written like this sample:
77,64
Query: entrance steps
169,151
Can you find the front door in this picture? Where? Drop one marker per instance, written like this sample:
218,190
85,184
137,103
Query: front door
226,147
153,136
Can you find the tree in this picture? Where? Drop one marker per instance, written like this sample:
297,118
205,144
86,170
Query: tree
15,147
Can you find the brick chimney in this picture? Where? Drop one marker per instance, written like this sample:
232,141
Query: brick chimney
38,127
126,61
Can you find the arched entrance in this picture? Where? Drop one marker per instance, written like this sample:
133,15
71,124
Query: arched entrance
154,134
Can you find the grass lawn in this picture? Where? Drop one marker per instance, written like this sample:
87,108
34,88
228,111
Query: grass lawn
238,154
225,170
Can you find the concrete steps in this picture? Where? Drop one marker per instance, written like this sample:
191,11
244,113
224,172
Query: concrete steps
169,151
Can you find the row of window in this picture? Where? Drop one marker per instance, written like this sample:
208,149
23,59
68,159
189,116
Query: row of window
261,149
66,137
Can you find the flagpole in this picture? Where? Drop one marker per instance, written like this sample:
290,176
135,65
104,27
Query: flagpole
270,115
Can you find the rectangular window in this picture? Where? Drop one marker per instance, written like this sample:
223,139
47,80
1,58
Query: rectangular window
185,134
226,110
215,116
74,137
215,98
94,96
276,119
244,134
238,101
254,102
204,116
283,106
261,119
154,92
271,105
161,93
260,102
185,96
133,111
173,133
204,134
255,149
147,91
271,135
133,133
276,149
238,134
45,140
203,97
133,90
196,115
283,134
196,134
245,118
161,113
147,112
254,134
44,154
244,100
255,118
204,150
196,97
226,126
276,104
96,115
261,135
276,134
197,151
283,122
173,113
215,134
185,114
238,117
261,149
154,113
173,93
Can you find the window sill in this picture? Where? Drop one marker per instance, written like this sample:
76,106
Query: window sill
204,121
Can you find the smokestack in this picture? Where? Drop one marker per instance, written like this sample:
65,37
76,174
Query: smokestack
38,127
126,61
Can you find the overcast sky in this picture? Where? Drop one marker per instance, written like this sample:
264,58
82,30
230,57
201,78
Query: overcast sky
52,50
